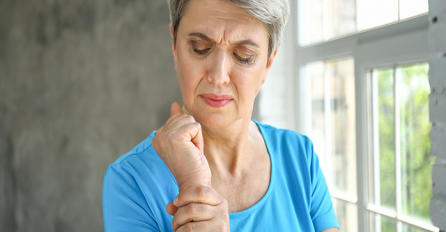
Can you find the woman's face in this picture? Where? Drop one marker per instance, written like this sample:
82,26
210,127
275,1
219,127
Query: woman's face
221,58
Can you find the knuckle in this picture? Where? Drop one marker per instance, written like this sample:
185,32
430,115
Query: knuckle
202,191
197,124
182,116
224,225
175,224
207,208
192,209
189,227
224,202
190,118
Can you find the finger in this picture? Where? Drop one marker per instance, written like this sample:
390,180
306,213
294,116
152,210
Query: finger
175,107
198,194
212,225
175,111
172,122
171,208
197,139
194,226
190,130
194,212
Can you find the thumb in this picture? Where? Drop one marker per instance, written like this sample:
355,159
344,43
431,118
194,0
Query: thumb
175,108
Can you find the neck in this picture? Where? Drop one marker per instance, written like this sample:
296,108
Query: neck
228,149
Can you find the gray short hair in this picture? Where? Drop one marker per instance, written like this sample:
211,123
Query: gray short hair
273,13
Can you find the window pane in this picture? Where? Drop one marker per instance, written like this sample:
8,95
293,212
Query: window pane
416,162
315,72
341,18
386,134
380,223
321,20
333,129
343,127
347,214
311,29
405,88
376,12
409,8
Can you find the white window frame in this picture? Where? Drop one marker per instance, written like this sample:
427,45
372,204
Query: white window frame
396,44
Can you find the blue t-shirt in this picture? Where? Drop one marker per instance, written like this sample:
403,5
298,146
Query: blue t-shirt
138,186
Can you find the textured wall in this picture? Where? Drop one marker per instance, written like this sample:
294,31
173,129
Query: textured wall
437,106
81,82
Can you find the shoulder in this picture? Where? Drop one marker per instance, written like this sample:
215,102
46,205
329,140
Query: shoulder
142,149
143,165
142,156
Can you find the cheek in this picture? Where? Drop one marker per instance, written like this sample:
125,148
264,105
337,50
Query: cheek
189,75
248,83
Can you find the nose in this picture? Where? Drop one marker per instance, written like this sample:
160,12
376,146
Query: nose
218,73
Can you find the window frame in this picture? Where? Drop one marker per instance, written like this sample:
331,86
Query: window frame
396,44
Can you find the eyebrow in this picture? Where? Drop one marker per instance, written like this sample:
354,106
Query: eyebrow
239,43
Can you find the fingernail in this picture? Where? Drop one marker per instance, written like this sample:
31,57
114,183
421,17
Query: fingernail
175,202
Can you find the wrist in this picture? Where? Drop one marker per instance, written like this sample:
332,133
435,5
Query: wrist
196,184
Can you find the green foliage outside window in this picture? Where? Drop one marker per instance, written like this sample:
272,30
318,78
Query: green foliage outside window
416,162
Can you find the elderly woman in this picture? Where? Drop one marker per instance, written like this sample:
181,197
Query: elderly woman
210,167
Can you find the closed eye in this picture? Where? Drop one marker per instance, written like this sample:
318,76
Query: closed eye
201,52
243,60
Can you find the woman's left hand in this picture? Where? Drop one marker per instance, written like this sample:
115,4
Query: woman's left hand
199,209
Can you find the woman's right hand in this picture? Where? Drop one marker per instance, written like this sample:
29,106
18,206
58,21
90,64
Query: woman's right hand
179,143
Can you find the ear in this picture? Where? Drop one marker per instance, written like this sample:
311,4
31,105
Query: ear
173,47
270,64
171,30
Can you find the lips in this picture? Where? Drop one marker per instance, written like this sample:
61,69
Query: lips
215,100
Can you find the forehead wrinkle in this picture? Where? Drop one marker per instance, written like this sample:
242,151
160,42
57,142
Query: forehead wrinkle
222,23
222,34
241,16
230,29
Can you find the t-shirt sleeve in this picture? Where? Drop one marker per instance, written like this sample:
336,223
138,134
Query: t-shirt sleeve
123,204
321,208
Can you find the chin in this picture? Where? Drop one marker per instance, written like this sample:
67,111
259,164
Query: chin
212,120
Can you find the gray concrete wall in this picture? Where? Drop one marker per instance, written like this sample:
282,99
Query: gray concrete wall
437,106
81,82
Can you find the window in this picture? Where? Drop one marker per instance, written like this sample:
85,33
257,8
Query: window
322,20
331,114
399,159
357,83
